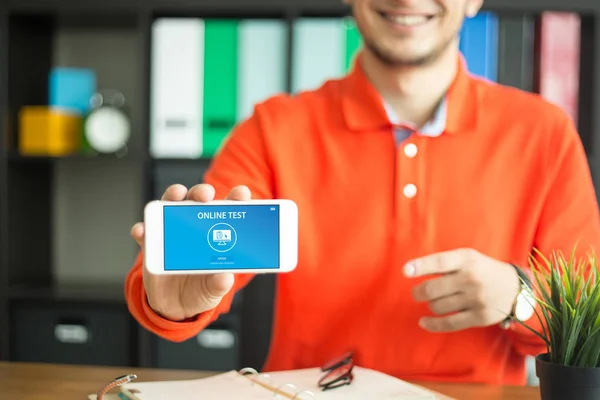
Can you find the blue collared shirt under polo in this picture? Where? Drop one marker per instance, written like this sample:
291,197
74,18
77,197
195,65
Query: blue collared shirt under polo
435,127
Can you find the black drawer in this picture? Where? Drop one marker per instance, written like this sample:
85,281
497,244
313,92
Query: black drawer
216,348
72,334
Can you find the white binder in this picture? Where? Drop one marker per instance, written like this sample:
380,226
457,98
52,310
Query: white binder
318,53
262,62
176,88
178,75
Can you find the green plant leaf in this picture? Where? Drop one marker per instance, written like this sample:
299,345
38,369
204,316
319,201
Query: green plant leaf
589,355
568,306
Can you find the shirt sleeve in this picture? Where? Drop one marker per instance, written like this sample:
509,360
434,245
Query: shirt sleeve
242,160
569,217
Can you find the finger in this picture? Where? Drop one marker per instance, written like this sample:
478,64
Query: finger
201,293
437,288
438,263
202,192
137,232
451,323
240,193
450,304
218,285
175,192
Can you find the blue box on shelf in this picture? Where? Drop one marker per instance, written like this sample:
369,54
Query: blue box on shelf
72,88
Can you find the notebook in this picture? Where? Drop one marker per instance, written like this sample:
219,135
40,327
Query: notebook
297,384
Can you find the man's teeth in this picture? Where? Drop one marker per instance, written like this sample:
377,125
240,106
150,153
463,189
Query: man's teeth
408,20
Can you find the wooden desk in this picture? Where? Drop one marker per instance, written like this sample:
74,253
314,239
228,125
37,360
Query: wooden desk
21,381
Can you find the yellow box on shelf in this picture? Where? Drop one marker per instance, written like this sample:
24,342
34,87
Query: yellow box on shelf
49,131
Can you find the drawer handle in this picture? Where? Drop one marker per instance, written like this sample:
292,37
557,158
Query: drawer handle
216,339
71,333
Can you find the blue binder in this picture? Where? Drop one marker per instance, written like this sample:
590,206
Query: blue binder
479,44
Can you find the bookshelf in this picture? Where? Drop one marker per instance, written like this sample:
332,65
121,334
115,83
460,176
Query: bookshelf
64,221
308,6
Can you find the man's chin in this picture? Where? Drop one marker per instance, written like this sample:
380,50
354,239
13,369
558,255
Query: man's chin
411,60
406,56
404,59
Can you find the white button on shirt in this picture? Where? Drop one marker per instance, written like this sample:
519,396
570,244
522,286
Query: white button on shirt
410,150
433,128
410,190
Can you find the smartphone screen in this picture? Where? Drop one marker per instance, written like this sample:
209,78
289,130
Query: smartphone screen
205,237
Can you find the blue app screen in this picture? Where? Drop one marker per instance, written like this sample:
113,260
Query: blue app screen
205,237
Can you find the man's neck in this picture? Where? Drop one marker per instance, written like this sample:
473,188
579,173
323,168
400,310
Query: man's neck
413,93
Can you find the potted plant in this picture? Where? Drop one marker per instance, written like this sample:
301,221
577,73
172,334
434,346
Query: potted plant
567,296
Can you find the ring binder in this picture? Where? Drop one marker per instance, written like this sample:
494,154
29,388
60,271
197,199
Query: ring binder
308,392
249,384
262,376
244,371
277,391
252,371
113,384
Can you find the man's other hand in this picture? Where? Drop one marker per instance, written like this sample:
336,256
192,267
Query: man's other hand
467,289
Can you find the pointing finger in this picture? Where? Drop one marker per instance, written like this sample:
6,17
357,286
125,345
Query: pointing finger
438,263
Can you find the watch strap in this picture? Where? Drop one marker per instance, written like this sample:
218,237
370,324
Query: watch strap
524,280
522,275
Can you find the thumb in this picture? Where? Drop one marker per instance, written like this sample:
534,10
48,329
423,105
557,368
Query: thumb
218,285
137,232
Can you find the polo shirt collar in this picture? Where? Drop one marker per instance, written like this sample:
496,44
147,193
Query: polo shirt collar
434,127
364,110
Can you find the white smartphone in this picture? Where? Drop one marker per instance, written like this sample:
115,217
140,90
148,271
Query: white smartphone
187,237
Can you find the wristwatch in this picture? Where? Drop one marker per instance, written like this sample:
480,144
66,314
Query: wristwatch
523,307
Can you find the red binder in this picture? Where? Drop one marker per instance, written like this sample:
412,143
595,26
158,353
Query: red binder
558,60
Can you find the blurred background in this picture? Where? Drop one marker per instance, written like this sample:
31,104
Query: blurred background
106,103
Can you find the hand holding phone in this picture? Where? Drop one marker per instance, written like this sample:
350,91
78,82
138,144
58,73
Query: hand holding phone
178,297
190,237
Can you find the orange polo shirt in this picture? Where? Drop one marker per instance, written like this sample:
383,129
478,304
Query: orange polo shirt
507,173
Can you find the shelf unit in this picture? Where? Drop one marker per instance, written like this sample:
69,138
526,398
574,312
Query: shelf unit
261,6
72,278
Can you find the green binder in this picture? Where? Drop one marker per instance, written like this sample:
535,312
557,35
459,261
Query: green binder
353,43
244,63
220,82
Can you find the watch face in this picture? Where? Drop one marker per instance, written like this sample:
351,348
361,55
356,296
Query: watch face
525,307
107,129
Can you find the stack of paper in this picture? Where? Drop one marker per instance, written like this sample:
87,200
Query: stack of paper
367,384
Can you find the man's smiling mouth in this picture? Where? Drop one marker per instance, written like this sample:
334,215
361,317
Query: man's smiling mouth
406,19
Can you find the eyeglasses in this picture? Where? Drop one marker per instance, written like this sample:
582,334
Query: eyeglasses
338,372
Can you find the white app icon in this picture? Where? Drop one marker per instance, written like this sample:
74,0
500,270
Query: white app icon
222,236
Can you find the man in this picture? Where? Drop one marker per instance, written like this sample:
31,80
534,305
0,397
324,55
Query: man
419,187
